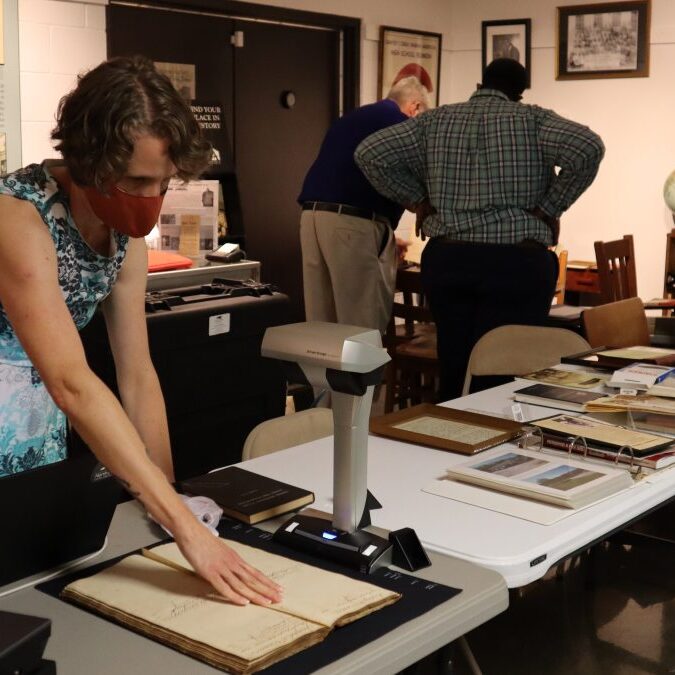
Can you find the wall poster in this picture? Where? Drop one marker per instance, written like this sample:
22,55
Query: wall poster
405,53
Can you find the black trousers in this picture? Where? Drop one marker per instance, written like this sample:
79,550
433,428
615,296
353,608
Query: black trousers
473,288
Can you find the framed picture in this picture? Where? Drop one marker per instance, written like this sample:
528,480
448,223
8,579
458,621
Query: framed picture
445,428
507,39
610,39
404,53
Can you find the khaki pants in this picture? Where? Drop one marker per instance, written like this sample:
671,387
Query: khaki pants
345,280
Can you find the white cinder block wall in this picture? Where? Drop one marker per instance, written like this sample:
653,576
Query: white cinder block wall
59,38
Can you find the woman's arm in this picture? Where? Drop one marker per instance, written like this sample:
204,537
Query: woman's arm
139,388
31,297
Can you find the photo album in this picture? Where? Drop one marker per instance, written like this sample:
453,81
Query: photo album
534,475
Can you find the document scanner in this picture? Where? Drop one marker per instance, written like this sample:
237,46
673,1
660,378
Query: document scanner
349,361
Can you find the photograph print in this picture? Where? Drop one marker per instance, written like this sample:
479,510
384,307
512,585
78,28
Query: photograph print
603,40
507,39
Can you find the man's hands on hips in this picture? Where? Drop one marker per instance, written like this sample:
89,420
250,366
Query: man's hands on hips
552,223
422,211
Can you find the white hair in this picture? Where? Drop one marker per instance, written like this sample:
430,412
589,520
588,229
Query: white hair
409,89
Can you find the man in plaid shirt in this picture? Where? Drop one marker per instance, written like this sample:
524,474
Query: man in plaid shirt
481,176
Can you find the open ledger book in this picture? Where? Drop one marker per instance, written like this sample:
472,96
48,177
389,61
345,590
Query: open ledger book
158,594
535,475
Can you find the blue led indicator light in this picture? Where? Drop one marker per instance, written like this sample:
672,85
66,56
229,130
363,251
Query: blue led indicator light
329,535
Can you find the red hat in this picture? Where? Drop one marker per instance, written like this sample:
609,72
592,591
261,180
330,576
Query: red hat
414,70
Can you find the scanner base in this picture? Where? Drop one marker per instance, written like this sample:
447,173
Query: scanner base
358,550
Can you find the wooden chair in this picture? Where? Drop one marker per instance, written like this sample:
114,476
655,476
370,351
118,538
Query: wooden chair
616,269
518,350
617,324
284,432
617,276
412,375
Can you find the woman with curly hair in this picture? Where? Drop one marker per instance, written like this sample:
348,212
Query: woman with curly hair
71,238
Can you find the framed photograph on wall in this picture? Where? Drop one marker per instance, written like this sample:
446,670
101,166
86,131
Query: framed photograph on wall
509,39
404,53
610,39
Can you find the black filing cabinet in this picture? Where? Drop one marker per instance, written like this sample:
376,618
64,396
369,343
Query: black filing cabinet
205,344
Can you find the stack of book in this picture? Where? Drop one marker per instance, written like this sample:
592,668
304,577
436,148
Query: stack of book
640,402
561,389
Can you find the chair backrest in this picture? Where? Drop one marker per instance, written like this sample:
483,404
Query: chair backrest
409,305
617,324
284,432
562,278
616,269
518,350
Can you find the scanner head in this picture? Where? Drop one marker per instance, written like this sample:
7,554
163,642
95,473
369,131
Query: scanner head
317,351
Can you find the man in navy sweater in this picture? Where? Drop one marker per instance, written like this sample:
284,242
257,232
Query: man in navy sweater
347,227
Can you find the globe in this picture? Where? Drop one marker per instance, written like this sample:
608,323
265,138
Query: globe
669,191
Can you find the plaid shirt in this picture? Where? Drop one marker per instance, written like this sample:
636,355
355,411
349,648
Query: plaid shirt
483,164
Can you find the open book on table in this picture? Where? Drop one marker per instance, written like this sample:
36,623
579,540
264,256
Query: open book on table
535,475
603,433
615,438
159,595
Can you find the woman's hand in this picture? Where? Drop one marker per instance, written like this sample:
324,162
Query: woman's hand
224,569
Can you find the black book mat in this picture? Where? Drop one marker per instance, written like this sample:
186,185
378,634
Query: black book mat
418,597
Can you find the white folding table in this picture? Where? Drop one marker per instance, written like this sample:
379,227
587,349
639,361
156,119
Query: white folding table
521,551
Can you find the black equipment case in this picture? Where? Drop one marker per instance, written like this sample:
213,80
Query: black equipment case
205,344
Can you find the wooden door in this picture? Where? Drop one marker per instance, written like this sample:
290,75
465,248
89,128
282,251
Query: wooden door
191,39
275,144
266,145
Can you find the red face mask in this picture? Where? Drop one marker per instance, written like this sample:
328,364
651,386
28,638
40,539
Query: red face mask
129,214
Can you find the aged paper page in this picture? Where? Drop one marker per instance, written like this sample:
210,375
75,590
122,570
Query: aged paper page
641,402
461,432
314,594
182,604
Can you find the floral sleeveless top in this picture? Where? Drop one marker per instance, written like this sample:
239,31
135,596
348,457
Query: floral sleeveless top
32,428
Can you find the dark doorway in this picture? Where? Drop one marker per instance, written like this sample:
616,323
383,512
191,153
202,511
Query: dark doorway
280,66
279,90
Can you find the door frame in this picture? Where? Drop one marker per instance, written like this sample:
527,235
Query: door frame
350,28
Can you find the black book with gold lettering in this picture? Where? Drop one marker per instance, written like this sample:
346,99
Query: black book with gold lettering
247,496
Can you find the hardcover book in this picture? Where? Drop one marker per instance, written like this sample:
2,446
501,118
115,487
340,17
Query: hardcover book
247,496
639,376
159,595
610,359
555,397
564,482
